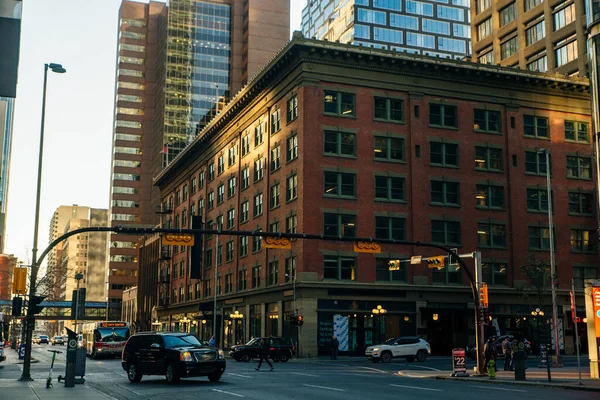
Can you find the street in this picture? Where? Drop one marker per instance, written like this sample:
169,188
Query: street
317,378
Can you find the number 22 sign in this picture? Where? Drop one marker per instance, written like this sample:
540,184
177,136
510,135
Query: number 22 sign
459,363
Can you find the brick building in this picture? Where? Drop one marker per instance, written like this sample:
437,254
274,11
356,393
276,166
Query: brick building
331,138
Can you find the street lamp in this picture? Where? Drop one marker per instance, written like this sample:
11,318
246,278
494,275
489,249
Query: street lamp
215,285
537,313
379,311
557,363
26,374
237,316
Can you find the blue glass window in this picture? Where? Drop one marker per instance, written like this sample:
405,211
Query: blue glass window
460,30
416,7
451,13
404,21
372,17
458,46
395,5
433,26
387,35
420,40
362,31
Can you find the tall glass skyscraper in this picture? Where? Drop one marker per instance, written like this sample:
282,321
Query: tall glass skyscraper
431,27
6,126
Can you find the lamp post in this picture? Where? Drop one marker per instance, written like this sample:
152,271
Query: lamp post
215,289
78,277
379,311
26,374
556,362
537,313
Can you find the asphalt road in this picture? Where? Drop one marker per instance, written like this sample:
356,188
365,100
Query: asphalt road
299,379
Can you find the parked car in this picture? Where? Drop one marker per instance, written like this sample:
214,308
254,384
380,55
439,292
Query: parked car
58,340
173,354
281,349
44,339
410,348
472,351
34,340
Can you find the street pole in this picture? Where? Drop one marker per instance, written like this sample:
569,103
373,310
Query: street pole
215,297
479,338
576,330
556,362
78,277
30,317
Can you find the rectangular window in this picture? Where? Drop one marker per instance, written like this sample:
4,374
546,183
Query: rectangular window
211,171
201,207
339,268
390,228
537,200
482,5
339,184
370,16
490,196
535,126
256,244
508,14
584,241
339,225
488,159
389,149
387,35
487,58
291,191
447,232
242,279
291,224
220,164
576,131
579,167
229,283
539,64
447,193
292,148
211,200
566,53
231,156
243,246
292,109
535,33
434,26
539,238
535,163
274,196
245,144
564,17
451,13
529,4
231,187
255,277
581,274
290,269
258,205
491,235
273,272
259,170
420,40
443,115
383,273
220,193
494,273
389,109
389,188
206,288
231,218
244,215
339,143
419,8
229,251
487,121
275,121
259,134
443,154
484,29
245,178
275,158
581,203
201,180
509,47
339,103
194,185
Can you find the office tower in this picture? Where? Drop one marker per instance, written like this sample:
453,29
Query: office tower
6,127
435,28
531,34
178,64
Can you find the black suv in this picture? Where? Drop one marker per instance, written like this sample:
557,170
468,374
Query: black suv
172,354
280,349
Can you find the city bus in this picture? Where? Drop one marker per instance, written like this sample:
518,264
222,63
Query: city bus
105,338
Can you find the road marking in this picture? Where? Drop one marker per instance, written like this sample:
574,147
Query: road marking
374,369
429,368
300,373
497,388
240,375
417,387
323,387
225,392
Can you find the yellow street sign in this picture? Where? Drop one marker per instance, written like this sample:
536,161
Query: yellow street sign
178,239
272,242
436,262
367,247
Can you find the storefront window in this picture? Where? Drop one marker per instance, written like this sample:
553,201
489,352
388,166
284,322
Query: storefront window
272,319
255,321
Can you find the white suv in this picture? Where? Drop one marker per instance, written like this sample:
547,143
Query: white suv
410,348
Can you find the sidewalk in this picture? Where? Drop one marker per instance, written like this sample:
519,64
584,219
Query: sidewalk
36,390
564,378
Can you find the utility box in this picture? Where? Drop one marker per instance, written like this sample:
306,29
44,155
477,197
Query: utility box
80,362
520,357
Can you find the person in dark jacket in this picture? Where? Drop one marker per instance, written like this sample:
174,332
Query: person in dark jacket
265,349
335,344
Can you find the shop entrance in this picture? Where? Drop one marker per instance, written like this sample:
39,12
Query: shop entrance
447,329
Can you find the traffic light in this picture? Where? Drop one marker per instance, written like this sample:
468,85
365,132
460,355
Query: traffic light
196,252
300,320
394,265
483,295
17,306
19,280
34,304
453,260
435,262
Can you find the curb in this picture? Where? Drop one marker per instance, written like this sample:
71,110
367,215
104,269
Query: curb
522,383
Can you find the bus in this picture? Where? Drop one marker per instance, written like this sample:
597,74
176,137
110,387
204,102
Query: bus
105,338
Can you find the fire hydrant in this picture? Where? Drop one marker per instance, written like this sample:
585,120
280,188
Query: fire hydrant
492,369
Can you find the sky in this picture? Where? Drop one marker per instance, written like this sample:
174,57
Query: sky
82,36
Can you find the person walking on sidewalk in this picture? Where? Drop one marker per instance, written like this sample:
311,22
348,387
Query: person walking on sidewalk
506,349
335,344
265,349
